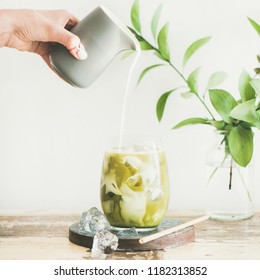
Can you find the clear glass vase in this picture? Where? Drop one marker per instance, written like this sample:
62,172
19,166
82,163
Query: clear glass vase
229,187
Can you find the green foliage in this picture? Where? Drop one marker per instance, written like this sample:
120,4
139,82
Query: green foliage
155,21
216,79
257,69
245,111
240,141
135,16
192,80
161,104
255,25
256,85
187,94
143,43
127,53
191,121
223,102
146,70
193,48
145,46
245,88
219,125
237,117
163,42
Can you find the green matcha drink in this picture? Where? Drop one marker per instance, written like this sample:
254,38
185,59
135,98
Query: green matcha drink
134,186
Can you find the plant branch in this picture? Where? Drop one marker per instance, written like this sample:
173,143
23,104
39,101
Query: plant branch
178,72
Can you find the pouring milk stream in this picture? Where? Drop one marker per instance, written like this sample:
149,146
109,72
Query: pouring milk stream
134,183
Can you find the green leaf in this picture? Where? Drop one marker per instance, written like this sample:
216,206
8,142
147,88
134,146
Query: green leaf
255,25
246,124
223,102
155,20
158,55
135,16
216,79
163,42
161,104
193,80
144,72
138,37
255,83
240,142
219,125
187,94
245,111
145,46
127,53
245,88
191,121
257,124
193,48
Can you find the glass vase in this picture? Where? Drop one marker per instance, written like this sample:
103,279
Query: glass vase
229,187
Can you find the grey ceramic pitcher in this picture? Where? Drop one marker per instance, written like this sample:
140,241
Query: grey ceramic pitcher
103,36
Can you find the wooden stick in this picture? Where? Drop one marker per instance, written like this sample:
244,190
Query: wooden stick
157,235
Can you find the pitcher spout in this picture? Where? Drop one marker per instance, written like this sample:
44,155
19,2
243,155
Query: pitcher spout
103,36
127,40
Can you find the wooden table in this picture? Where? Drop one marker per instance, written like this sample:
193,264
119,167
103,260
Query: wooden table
45,236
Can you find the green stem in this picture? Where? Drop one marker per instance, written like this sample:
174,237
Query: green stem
230,175
178,72
196,93
206,107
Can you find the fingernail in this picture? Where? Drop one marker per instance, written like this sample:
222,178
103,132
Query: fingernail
81,53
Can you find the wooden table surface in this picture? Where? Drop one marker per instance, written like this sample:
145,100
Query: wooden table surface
45,236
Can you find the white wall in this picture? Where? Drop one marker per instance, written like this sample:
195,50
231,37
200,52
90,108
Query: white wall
52,135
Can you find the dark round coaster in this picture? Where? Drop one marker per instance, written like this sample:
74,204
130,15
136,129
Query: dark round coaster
129,239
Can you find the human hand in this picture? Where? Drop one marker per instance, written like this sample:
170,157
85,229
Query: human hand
36,31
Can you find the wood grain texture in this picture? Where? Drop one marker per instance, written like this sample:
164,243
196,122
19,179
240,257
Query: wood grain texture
46,237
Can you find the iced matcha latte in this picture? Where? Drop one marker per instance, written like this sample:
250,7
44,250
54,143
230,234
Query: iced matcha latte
134,186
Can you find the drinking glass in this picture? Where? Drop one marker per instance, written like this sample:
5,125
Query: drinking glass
134,184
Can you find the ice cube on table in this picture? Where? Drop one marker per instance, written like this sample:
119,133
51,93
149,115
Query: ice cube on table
93,221
105,242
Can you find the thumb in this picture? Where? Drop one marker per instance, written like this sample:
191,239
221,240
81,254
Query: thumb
71,42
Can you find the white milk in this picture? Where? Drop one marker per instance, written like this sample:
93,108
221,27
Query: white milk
128,83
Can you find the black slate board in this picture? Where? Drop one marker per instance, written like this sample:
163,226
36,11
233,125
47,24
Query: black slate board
130,242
